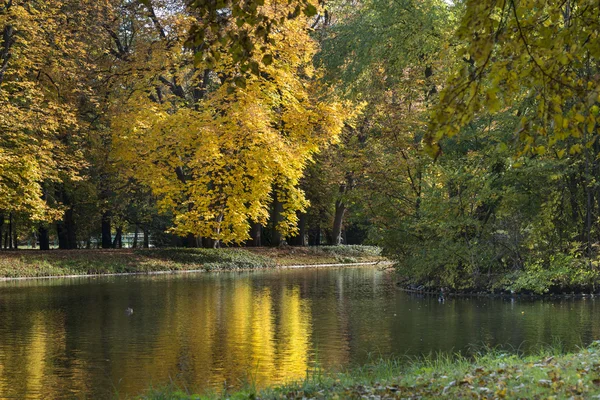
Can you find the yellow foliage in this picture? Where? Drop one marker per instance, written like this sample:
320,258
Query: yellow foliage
37,119
216,161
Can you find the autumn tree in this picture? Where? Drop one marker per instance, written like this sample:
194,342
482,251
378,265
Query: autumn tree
218,142
38,86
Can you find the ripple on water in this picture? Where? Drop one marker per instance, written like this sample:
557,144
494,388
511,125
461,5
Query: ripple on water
72,338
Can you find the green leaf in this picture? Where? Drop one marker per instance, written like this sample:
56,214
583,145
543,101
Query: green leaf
310,10
267,59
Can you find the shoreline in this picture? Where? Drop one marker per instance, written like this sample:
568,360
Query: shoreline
193,271
532,296
548,373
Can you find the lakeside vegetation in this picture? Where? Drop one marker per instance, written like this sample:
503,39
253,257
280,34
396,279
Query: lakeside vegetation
491,375
97,262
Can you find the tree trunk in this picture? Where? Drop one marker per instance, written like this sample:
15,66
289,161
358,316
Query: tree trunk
300,239
118,242
1,228
135,236
106,231
15,239
588,205
44,238
256,234
192,241
338,222
10,231
71,229
61,232
146,239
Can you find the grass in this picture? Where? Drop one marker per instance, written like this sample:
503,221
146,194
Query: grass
321,254
35,263
490,375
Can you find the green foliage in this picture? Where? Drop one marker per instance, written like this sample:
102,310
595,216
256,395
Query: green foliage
559,272
533,49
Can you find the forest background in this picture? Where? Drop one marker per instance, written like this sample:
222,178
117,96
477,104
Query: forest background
461,137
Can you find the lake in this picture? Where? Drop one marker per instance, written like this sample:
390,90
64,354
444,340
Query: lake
72,338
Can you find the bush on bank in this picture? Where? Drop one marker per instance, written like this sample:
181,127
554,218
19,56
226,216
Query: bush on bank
553,273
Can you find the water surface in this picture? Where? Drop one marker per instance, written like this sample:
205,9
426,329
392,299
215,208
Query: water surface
72,338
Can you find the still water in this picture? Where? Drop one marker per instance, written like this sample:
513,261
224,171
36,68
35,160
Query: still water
74,339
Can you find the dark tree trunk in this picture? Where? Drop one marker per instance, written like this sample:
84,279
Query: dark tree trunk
135,236
106,234
208,243
1,228
146,239
118,241
300,239
15,235
65,229
302,220
192,241
71,229
588,205
61,231
338,222
256,234
10,231
44,238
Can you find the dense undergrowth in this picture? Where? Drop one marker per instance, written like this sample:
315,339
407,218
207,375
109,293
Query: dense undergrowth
559,273
491,375
33,263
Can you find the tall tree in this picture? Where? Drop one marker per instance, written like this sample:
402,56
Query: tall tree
217,144
37,120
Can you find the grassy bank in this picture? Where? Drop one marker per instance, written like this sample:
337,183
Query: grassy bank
490,376
32,263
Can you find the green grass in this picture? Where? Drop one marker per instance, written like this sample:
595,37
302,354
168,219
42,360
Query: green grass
493,374
322,254
35,263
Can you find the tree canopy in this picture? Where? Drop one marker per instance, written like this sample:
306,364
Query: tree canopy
460,136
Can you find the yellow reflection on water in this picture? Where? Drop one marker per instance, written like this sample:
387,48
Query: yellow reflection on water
294,340
222,336
262,350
